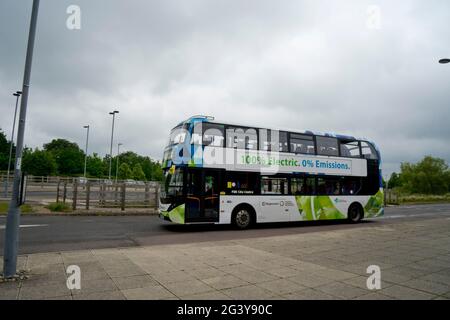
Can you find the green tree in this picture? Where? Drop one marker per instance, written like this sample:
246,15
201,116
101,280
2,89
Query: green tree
157,173
429,176
138,173
96,167
152,169
4,151
39,163
394,181
125,172
130,158
69,157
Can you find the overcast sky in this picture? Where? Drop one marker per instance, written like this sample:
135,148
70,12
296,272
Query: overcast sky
320,65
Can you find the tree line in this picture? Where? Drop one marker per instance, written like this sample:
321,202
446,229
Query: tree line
429,176
65,158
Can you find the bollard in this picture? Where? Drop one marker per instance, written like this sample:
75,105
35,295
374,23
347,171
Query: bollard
116,194
88,194
147,194
102,194
65,192
57,192
75,194
122,197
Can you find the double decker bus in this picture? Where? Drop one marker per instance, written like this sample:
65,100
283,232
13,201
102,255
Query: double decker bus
222,173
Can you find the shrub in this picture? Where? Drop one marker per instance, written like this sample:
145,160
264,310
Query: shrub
59,207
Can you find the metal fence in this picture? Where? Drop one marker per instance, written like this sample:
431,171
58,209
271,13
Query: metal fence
86,194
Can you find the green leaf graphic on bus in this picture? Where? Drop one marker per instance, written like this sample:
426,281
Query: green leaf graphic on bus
304,205
374,205
323,207
175,215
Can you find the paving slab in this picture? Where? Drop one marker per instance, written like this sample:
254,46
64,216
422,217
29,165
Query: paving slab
133,282
225,282
157,292
405,293
342,290
309,280
95,285
211,295
249,292
104,295
189,287
310,294
281,286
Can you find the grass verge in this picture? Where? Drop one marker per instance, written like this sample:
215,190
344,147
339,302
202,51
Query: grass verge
25,208
401,198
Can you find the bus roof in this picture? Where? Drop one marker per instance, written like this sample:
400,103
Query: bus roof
210,119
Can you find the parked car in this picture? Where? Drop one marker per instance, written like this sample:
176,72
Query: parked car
82,180
130,182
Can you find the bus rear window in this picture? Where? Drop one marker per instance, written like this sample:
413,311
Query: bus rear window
350,149
368,151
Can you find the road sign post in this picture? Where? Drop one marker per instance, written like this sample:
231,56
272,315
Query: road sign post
13,218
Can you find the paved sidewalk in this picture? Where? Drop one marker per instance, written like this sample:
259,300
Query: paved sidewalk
414,258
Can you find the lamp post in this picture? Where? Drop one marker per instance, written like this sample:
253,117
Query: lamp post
17,94
13,219
113,113
444,61
86,149
117,160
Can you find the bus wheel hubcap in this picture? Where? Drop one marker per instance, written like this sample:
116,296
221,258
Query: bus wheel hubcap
242,218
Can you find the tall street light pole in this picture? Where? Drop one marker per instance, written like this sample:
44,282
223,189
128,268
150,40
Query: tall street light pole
13,218
113,113
17,95
117,160
86,149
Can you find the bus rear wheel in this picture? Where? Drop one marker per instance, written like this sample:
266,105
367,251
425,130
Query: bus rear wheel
242,217
355,213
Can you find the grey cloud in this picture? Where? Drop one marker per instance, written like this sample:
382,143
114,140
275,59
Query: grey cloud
297,64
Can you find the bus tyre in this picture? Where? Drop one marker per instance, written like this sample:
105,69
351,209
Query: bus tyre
355,213
242,217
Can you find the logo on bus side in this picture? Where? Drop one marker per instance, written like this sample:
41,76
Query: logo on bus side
283,203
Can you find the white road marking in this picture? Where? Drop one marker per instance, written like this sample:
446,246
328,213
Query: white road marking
27,226
400,216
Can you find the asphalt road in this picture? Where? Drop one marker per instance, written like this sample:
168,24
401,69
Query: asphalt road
52,233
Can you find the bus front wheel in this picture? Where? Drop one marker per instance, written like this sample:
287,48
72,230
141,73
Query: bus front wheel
242,217
355,213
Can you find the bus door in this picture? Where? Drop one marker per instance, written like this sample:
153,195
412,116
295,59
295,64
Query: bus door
202,196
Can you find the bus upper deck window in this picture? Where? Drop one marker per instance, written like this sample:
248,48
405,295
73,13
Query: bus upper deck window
241,138
368,151
350,149
213,135
301,143
327,146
